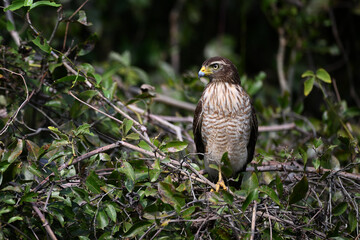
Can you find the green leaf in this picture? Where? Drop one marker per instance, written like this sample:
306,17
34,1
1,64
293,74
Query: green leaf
33,150
133,136
323,75
15,218
279,186
6,210
316,163
15,5
58,132
94,183
340,209
83,19
34,170
128,170
299,191
137,229
308,85
102,219
42,44
170,195
83,129
253,195
46,3
27,3
304,156
142,144
352,221
71,78
318,142
174,146
111,212
29,197
250,182
308,73
16,151
271,193
187,212
127,124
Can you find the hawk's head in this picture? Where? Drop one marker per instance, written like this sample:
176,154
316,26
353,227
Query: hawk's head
219,69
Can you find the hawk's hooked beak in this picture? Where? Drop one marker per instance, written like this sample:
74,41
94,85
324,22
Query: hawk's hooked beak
204,72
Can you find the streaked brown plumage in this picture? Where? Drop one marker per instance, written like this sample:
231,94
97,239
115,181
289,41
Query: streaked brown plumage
225,120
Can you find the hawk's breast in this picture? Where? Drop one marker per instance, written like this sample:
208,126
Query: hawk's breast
225,124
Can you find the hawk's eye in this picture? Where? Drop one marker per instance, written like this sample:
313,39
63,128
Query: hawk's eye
215,66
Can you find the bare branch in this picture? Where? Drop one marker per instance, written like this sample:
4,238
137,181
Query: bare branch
44,221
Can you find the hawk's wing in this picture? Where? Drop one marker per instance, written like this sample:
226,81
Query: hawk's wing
253,135
197,130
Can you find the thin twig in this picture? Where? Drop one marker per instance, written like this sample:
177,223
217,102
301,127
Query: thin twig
291,168
253,221
269,221
68,22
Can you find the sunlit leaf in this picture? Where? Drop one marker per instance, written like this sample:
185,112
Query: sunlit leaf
250,182
15,5
15,218
323,75
27,3
174,146
102,219
44,3
308,73
58,132
308,85
42,44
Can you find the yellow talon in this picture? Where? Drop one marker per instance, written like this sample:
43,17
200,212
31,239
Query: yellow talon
220,183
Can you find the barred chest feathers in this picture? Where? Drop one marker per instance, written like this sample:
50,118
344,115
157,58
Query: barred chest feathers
226,114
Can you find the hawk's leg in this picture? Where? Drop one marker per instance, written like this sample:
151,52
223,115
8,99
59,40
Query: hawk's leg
220,183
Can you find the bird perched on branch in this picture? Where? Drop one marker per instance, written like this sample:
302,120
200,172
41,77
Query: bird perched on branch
224,121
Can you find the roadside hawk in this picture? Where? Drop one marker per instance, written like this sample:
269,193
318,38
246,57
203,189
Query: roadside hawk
224,121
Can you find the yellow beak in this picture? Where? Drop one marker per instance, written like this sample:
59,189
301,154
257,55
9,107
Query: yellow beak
204,72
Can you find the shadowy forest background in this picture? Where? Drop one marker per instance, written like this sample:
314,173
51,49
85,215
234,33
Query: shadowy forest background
96,107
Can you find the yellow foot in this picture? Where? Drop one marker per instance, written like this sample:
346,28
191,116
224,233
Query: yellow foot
220,183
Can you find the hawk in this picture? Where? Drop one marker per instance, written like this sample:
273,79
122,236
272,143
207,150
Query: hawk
225,120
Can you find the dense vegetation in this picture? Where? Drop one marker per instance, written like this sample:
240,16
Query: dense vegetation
96,106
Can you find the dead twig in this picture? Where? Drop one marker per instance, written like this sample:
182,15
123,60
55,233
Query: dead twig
291,168
68,22
253,221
